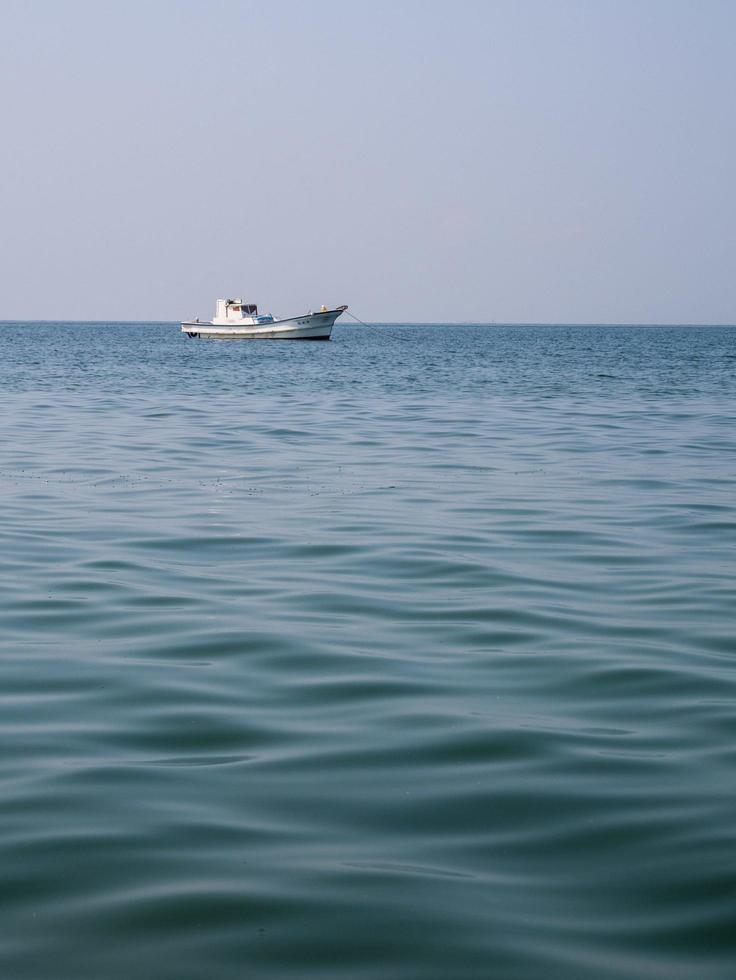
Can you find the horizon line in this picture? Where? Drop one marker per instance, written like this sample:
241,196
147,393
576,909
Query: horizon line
437,323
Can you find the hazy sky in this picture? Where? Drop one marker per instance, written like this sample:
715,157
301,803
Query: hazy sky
507,160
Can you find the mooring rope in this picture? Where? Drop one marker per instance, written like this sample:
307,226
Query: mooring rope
357,318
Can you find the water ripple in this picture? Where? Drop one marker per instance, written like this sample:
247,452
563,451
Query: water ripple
410,655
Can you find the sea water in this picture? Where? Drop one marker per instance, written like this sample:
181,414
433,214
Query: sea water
411,655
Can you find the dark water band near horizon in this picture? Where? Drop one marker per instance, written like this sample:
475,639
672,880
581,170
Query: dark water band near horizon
411,655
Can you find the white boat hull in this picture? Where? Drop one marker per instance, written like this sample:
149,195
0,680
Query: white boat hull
311,326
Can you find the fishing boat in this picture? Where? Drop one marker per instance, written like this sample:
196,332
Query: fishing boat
235,319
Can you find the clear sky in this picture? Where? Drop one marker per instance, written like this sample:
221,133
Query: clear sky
506,160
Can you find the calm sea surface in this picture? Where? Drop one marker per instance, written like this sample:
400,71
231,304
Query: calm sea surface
411,656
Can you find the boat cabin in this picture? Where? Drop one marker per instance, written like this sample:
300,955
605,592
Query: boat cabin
235,308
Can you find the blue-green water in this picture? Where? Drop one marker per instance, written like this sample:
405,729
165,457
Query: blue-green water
411,655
